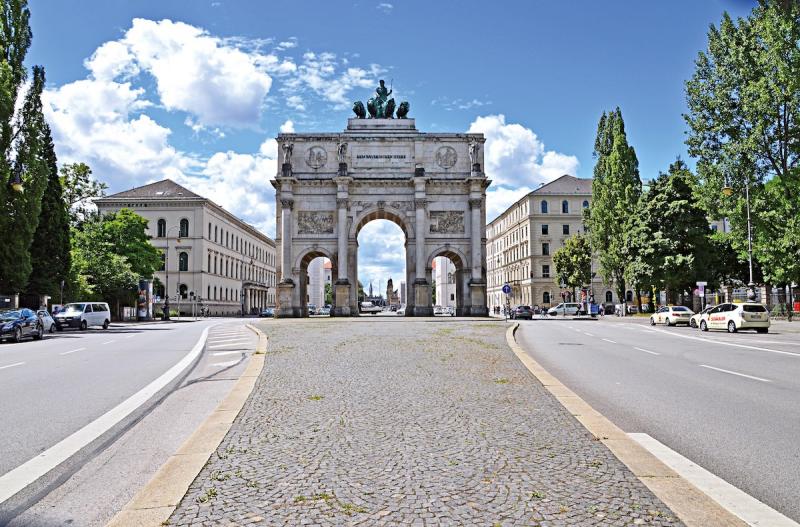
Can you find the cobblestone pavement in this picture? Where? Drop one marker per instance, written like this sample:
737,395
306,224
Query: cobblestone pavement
400,422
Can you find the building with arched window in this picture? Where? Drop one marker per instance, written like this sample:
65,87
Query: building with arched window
192,232
522,240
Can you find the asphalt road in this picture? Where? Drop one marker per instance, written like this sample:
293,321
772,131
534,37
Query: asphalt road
730,403
51,388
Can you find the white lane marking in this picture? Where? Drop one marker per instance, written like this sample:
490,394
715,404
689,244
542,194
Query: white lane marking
107,342
11,365
647,351
735,373
17,479
588,334
214,341
746,507
221,353
228,346
130,336
609,340
713,341
225,364
71,351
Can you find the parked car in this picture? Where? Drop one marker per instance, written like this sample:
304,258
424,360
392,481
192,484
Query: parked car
521,312
564,308
368,308
16,324
47,321
84,314
671,316
438,310
450,310
267,312
401,311
697,317
734,317
325,311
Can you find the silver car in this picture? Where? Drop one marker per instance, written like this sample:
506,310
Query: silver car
564,308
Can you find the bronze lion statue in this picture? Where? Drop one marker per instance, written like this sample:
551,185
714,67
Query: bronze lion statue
402,110
358,109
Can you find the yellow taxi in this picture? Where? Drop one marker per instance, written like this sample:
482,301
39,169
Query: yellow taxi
733,317
671,316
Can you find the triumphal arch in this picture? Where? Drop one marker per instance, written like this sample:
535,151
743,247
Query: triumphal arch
432,185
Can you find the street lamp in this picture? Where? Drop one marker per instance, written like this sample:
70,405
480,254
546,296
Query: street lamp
242,289
166,272
16,179
727,190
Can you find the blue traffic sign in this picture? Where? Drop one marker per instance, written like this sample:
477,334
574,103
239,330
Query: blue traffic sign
506,289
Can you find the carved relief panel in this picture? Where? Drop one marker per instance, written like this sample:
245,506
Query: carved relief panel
446,222
315,222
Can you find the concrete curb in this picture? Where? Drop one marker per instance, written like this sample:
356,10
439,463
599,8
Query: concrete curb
691,505
155,503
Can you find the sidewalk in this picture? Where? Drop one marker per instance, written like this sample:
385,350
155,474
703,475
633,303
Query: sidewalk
352,423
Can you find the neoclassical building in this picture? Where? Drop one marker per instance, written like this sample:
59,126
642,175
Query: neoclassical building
211,257
522,240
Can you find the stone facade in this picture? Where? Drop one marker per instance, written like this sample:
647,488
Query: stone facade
215,259
431,185
523,239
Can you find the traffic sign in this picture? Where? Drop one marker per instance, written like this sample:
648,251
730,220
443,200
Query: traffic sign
506,289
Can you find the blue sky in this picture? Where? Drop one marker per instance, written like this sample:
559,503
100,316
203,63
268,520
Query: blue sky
195,89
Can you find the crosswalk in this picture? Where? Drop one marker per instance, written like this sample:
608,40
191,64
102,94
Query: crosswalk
227,341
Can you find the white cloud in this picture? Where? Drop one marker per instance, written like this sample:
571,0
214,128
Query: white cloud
296,102
287,127
385,7
321,73
287,44
498,199
111,60
514,156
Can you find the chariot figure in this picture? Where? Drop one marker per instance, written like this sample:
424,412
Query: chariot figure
381,106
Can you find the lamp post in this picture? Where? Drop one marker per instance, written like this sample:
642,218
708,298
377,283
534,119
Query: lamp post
166,272
727,190
242,289
16,179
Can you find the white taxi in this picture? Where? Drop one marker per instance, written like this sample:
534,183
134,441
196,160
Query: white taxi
734,317
697,317
671,315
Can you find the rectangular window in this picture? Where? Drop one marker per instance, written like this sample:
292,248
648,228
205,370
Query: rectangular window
545,229
545,271
565,229
546,249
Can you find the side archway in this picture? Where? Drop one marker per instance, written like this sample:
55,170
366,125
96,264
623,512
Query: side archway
304,258
462,274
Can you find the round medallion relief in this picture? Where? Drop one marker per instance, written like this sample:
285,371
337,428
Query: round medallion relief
446,157
316,157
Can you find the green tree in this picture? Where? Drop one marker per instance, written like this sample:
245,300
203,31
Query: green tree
744,111
573,262
110,254
21,209
50,250
79,190
328,294
616,189
678,248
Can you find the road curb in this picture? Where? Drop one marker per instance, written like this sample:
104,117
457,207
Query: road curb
154,504
690,504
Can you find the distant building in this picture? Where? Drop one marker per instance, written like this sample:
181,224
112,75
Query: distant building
444,273
214,258
392,298
522,240
319,275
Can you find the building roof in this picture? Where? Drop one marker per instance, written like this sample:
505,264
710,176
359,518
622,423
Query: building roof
566,184
164,189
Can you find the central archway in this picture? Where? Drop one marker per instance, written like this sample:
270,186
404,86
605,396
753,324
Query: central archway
381,255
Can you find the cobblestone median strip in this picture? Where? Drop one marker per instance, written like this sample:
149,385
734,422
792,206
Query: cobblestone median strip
365,422
153,505
691,505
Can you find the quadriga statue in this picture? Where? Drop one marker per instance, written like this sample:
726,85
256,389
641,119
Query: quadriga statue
381,106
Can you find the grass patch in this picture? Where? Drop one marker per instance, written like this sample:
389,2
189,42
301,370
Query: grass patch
537,495
502,380
300,499
316,397
210,494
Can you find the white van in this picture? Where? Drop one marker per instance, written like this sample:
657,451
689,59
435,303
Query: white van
83,314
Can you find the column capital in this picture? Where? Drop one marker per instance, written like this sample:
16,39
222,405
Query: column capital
287,203
343,203
475,203
420,203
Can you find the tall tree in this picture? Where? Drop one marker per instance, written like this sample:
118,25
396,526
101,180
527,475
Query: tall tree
744,126
615,190
50,250
573,262
79,190
21,209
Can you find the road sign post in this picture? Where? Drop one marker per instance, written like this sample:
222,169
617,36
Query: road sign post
507,292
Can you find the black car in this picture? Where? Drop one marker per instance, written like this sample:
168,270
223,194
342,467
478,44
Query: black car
522,312
16,324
